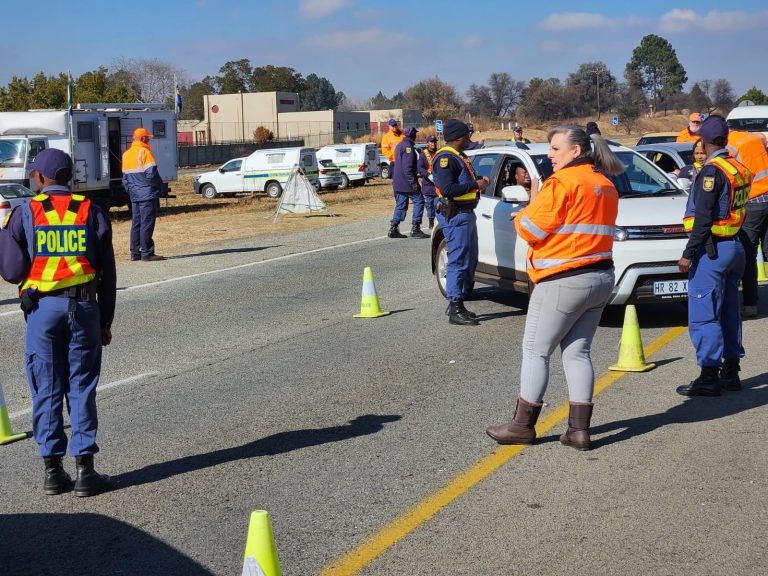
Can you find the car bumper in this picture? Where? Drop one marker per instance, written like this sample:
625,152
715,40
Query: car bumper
636,284
196,185
331,181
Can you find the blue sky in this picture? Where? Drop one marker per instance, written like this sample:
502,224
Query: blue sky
363,46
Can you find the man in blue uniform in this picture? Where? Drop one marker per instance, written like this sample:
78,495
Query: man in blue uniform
714,260
59,249
405,183
458,189
424,166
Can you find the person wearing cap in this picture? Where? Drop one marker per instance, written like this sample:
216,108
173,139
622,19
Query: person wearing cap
405,184
389,141
458,189
474,145
691,132
144,185
58,248
714,260
424,167
517,135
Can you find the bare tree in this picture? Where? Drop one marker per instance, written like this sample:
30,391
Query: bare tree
434,98
505,93
151,79
723,96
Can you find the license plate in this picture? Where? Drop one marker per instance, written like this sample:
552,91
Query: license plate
670,287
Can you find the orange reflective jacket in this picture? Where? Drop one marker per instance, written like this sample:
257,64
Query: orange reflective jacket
389,142
569,223
60,238
686,136
749,149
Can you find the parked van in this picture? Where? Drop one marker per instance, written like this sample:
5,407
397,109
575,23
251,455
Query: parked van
357,162
263,171
749,119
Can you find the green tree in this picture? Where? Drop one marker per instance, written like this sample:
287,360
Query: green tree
505,93
99,86
754,95
592,88
655,66
16,96
480,101
276,79
234,76
698,100
320,95
381,102
543,100
434,98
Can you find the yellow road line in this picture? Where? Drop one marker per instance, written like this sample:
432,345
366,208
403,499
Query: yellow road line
358,558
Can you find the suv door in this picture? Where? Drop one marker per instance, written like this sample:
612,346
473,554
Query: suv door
230,177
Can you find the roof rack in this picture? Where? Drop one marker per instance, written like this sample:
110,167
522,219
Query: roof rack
121,106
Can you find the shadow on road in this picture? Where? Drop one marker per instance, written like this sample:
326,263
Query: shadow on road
76,544
222,251
271,445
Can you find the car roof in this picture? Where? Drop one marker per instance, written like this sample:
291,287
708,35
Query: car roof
533,149
666,146
644,134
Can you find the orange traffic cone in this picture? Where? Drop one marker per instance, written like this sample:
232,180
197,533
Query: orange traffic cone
369,304
631,355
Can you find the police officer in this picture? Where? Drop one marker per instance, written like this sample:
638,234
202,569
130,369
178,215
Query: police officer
389,141
59,248
458,189
424,166
144,185
714,260
405,184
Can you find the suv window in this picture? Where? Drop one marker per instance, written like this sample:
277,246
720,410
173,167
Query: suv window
640,177
232,166
275,158
484,163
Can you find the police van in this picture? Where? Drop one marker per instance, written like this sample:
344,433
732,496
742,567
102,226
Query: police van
263,171
357,162
95,136
749,119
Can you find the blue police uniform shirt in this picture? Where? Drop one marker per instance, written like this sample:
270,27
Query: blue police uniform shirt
405,177
422,165
452,177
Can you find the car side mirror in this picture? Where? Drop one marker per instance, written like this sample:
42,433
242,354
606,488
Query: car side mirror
515,194
684,183
221,170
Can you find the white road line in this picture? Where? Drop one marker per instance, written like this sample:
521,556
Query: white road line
99,388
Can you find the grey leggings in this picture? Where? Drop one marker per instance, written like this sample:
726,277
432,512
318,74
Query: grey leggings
563,312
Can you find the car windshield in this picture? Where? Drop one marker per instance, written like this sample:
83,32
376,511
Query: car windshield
14,191
12,153
543,165
749,124
641,177
327,163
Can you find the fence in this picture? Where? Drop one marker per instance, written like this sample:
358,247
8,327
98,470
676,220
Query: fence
220,153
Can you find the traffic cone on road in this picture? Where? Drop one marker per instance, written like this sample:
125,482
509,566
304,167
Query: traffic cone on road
761,277
631,355
260,550
369,303
6,433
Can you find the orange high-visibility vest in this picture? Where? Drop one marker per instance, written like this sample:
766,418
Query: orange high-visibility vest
60,238
138,157
570,222
467,176
749,150
686,136
738,176
389,142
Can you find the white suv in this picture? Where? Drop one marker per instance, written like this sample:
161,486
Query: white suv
648,239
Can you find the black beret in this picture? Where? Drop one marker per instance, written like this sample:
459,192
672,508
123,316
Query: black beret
454,129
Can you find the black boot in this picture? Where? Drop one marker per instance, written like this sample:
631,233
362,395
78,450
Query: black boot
56,478
707,384
394,232
431,223
457,314
89,482
417,233
729,374
462,309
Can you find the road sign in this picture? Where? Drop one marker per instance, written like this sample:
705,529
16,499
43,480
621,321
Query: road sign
615,120
439,126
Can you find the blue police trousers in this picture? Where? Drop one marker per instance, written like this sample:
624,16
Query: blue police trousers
714,319
430,205
401,207
461,241
63,360
143,216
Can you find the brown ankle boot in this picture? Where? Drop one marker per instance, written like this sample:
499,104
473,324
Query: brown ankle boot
521,429
577,435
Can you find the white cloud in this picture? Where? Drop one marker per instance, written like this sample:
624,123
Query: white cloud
353,38
678,20
472,41
321,8
588,21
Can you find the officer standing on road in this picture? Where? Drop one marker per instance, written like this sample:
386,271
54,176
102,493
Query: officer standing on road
424,166
389,141
458,189
405,184
144,185
517,135
714,261
59,248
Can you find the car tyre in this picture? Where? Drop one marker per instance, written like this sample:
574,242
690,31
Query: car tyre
344,182
441,267
209,191
385,172
274,189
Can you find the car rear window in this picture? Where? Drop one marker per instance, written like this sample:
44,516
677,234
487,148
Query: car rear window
13,191
749,124
326,163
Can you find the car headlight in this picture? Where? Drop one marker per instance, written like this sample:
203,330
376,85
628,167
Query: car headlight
620,234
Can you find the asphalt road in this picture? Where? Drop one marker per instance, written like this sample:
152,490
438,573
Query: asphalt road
238,380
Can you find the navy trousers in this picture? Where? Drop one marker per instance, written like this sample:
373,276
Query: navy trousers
461,241
401,207
143,216
63,361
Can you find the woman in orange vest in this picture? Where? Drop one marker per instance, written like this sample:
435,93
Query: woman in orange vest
569,227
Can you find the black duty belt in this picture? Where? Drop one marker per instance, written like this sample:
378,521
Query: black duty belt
82,292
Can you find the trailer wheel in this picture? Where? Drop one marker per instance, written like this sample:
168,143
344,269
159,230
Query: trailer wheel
274,189
344,182
209,191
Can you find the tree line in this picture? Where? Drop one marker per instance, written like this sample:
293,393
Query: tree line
653,79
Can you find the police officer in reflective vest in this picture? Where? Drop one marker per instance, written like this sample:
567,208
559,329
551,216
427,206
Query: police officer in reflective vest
424,166
59,249
458,189
714,260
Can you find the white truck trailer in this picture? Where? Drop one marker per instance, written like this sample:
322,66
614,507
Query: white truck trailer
95,135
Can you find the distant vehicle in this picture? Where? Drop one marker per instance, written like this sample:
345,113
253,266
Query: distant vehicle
657,138
384,170
12,195
748,119
95,135
263,171
669,156
330,175
357,162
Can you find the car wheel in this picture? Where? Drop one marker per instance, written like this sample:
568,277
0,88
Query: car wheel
344,182
441,267
274,189
385,172
209,191
317,187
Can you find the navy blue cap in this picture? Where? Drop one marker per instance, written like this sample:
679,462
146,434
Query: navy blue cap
410,132
592,128
431,139
712,128
50,162
454,129
392,122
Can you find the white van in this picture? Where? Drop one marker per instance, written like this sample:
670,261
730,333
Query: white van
749,119
263,171
357,162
